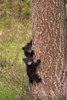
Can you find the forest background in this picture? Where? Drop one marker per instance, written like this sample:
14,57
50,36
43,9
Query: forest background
15,32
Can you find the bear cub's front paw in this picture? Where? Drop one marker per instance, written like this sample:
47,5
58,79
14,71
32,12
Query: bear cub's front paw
33,51
39,80
39,61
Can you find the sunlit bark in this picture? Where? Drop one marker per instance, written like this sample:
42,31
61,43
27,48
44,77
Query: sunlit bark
48,20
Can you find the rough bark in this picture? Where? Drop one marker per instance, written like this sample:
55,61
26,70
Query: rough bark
48,20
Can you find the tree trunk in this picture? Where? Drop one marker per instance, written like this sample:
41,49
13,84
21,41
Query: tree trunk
48,18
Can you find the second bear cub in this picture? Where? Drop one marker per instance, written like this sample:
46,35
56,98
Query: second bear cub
31,69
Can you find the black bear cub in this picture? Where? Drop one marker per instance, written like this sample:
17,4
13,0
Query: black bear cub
31,69
28,50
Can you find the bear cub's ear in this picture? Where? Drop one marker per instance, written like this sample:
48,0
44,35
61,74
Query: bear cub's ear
24,60
31,42
23,48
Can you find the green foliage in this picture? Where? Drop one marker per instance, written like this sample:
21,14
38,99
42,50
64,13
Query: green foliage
12,69
18,9
6,93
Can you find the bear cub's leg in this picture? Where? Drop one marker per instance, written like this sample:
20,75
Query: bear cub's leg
31,81
37,79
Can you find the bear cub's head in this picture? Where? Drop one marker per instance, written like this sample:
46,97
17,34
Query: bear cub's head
28,61
28,47
28,50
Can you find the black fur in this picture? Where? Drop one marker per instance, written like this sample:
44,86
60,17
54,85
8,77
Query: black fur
31,69
28,50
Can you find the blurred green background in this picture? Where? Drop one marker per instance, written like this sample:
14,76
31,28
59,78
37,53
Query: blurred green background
15,32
